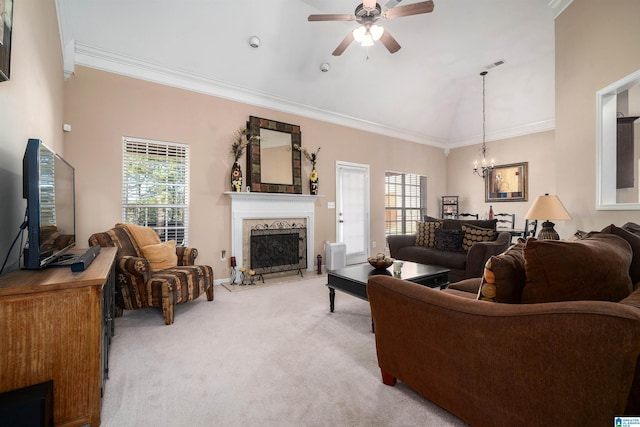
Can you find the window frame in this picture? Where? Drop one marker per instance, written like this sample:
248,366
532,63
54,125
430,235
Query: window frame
167,181
406,222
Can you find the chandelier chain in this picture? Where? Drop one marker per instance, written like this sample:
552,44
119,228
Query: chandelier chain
484,167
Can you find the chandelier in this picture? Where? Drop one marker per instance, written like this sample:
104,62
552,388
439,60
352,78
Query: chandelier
483,167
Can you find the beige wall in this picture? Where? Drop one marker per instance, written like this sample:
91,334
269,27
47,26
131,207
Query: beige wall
596,45
103,107
31,106
536,149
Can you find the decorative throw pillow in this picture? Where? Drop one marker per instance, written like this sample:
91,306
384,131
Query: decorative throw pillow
504,276
449,240
161,255
632,227
426,233
473,234
594,268
487,289
634,242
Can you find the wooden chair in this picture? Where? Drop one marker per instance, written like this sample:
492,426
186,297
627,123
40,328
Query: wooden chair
506,220
473,216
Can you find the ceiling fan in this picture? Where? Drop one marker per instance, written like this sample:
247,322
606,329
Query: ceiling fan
367,14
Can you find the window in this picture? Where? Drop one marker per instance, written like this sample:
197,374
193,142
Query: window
155,187
404,202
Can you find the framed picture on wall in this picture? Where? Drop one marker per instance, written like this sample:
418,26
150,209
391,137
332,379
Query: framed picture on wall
507,183
6,23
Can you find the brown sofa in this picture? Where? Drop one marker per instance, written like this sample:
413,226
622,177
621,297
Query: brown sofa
138,285
492,364
462,264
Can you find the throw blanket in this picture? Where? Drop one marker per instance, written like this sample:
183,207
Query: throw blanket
143,236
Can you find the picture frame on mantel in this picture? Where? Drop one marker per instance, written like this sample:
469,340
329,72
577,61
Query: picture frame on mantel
6,24
507,183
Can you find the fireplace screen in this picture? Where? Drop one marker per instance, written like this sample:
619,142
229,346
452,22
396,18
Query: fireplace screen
277,247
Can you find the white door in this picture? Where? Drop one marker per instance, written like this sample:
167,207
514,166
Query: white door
352,210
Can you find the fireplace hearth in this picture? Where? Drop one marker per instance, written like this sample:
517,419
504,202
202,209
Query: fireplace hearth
278,246
251,208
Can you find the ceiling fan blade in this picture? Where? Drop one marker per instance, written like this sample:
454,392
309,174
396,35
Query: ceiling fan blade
343,45
329,17
369,4
389,42
409,9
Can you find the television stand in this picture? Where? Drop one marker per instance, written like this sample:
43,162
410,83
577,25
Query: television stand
58,325
78,262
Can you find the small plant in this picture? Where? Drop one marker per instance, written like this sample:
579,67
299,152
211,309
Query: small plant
310,156
240,142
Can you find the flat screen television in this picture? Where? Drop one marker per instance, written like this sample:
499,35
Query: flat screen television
49,187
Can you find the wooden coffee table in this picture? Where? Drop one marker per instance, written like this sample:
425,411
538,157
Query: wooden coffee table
353,279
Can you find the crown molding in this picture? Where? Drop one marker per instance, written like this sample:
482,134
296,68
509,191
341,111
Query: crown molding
559,6
115,63
108,61
66,41
506,133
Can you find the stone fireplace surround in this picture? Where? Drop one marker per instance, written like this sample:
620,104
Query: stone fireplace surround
247,207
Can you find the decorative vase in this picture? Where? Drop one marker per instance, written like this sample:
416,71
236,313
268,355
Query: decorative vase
236,177
313,181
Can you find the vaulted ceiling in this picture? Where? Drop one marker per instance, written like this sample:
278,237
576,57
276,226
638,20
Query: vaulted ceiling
430,91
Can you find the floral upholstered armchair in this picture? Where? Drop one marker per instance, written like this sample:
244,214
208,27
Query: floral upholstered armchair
151,273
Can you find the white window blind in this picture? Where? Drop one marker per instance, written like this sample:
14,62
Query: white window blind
155,187
404,202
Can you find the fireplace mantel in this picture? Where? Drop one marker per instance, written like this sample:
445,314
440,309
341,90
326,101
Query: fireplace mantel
253,205
272,197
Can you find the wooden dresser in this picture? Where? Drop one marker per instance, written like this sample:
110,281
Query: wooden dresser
57,325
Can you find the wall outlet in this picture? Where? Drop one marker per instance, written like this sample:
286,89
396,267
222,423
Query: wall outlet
223,255
373,244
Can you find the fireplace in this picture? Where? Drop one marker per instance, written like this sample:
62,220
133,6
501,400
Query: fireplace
279,246
249,209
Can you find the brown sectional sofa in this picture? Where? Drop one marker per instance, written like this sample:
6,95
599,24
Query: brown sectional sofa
462,264
559,362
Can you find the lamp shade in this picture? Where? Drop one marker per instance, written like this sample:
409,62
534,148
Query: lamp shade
548,208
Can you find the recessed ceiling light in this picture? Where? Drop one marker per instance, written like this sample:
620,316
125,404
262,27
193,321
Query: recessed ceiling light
254,42
324,67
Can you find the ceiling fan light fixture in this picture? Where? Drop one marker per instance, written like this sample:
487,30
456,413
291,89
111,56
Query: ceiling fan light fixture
358,33
367,40
376,31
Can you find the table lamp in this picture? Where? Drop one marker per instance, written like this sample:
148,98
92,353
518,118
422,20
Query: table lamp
548,208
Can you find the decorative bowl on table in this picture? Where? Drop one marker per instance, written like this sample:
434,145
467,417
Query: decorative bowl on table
380,262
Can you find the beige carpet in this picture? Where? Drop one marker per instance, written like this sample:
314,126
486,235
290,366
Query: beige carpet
273,279
272,357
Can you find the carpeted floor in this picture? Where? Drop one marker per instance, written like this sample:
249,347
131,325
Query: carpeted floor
274,356
272,279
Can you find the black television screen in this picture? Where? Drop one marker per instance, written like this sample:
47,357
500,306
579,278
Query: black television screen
49,187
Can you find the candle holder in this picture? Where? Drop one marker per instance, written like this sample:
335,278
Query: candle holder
234,272
252,274
233,275
242,276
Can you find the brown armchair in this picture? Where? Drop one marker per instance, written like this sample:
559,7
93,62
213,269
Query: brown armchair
138,285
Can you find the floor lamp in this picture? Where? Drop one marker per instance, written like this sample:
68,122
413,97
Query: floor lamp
548,208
